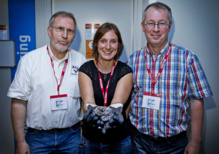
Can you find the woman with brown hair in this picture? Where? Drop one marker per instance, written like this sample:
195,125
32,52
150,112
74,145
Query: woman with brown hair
105,86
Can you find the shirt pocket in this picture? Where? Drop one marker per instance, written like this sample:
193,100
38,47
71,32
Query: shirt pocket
74,89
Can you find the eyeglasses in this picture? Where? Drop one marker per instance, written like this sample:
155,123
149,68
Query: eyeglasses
62,29
160,24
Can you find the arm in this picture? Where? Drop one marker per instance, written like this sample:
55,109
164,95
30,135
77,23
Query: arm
86,89
123,89
18,115
128,110
197,114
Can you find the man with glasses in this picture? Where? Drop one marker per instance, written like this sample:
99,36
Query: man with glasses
168,80
45,93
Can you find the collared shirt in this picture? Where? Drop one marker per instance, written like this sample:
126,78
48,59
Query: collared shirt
35,82
182,79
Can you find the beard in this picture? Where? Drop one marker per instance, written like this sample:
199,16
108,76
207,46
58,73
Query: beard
58,47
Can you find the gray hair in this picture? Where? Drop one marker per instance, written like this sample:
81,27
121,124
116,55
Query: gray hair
158,5
63,14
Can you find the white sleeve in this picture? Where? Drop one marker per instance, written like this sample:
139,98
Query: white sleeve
20,86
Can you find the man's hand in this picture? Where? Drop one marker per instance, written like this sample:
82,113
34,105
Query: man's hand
193,148
22,148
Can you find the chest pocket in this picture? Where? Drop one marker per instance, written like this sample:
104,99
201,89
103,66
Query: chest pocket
74,87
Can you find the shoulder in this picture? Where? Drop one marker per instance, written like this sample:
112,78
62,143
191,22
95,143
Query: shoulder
37,52
86,66
136,53
75,53
184,53
76,56
136,57
180,49
124,66
87,63
34,55
123,69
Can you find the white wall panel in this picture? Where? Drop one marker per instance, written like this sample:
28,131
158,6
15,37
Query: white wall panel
119,12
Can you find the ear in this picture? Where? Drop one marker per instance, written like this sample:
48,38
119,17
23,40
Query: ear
49,30
170,25
142,26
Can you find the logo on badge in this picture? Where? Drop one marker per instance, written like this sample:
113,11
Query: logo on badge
74,70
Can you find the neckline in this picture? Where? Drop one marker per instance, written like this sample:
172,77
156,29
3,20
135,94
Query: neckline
105,75
93,61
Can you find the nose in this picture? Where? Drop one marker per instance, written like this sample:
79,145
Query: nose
108,45
156,27
65,34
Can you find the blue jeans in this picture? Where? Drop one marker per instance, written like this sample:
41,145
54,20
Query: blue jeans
121,147
146,144
54,141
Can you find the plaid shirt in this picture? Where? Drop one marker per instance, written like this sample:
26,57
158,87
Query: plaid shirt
182,79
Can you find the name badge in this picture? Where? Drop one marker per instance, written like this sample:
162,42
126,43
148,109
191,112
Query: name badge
151,101
58,102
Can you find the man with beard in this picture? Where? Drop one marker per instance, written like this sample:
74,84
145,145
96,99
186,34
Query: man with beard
45,93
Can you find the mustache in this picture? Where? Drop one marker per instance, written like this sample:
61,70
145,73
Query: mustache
61,40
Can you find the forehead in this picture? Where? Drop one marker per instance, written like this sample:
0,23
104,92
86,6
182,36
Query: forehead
64,21
110,34
156,14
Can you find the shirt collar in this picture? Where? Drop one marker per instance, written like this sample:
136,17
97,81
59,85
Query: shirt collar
54,58
162,52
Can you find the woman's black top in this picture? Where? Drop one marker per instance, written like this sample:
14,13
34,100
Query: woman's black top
118,133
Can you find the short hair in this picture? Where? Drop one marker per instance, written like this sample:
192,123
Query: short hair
104,28
158,5
63,14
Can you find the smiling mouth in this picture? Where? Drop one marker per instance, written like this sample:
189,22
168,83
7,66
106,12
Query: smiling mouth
155,35
107,52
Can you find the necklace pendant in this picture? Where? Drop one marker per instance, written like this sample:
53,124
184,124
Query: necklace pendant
104,76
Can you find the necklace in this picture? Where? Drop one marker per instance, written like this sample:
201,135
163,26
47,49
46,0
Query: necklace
104,76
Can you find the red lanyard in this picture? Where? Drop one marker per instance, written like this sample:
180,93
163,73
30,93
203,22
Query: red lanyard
107,86
63,70
153,82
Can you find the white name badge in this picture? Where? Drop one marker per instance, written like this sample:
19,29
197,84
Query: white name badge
151,101
58,102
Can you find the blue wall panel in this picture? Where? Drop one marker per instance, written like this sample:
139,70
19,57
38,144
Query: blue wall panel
22,27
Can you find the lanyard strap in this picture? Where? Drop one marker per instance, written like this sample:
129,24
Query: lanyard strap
63,71
107,86
153,82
